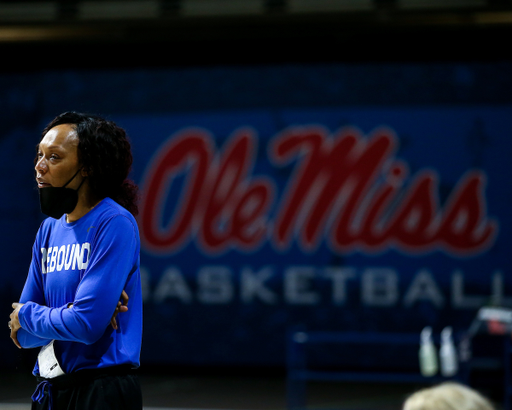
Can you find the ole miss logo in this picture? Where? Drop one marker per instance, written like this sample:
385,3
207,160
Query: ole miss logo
346,189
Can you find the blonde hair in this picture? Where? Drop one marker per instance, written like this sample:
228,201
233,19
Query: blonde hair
447,396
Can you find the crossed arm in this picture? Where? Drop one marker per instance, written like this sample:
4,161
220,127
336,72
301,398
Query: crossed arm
14,323
112,260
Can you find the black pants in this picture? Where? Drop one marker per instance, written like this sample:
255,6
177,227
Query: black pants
113,388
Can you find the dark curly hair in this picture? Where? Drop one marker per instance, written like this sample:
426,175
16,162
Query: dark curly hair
105,154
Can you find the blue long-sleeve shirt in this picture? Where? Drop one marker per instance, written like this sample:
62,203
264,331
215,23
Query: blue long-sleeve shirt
88,263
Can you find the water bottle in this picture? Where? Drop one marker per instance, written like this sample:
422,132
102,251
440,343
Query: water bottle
448,354
427,353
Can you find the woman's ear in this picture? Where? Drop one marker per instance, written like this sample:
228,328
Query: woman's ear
83,172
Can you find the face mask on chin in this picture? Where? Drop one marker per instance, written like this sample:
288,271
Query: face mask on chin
57,201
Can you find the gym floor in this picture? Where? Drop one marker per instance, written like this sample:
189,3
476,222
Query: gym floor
229,392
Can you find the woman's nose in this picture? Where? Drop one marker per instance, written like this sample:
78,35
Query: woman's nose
41,166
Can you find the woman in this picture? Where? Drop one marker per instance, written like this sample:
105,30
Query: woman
85,256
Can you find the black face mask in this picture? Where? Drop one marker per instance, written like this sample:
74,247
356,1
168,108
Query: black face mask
57,201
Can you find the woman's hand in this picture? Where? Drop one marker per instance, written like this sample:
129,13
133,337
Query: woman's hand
14,323
122,306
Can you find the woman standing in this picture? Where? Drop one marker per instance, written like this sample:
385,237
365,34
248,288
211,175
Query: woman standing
85,257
